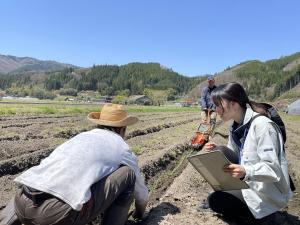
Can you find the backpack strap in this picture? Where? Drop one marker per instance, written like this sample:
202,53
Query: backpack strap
253,118
292,185
242,140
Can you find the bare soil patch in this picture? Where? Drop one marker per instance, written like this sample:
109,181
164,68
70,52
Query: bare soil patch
161,141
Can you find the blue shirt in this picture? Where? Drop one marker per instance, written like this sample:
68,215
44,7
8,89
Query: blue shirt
205,101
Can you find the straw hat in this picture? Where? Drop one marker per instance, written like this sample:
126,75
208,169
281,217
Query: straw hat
112,115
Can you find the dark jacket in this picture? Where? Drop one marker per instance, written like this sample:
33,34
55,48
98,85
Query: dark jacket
205,100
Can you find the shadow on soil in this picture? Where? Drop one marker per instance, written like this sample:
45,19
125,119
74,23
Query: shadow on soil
157,214
279,218
285,218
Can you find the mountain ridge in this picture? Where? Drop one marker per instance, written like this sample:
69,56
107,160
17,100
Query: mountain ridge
264,81
10,64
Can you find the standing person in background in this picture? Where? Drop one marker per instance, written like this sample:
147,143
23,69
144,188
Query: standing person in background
93,173
257,143
207,106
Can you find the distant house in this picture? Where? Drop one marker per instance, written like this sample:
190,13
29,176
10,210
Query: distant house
2,94
187,103
139,100
105,99
69,99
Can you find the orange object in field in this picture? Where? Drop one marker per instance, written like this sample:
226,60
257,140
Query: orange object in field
200,139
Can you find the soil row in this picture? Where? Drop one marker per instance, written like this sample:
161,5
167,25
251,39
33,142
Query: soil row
15,147
178,205
164,155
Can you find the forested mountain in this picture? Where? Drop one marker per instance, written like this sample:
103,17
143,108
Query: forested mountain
12,64
134,77
262,80
131,79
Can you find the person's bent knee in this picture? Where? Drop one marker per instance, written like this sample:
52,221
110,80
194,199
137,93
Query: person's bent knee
126,184
203,115
214,201
130,175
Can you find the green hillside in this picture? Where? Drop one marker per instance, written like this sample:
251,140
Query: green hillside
131,79
263,80
269,80
134,77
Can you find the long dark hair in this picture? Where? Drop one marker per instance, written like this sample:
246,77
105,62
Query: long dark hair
235,92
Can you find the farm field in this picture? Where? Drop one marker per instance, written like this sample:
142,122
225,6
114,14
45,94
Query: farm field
160,140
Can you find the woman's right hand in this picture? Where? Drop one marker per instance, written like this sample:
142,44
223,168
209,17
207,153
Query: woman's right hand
209,146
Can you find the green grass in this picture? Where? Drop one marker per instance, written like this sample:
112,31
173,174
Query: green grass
147,109
290,118
137,150
37,109
7,109
47,110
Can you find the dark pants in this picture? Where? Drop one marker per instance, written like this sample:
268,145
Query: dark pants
111,196
230,205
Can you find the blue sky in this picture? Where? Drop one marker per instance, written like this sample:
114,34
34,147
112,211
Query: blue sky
193,37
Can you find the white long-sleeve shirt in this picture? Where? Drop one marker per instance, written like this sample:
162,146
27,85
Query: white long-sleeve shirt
71,169
266,167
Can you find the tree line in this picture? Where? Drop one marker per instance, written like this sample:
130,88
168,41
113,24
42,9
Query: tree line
262,80
130,79
269,80
134,77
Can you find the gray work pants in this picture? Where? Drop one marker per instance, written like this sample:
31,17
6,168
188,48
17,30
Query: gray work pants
111,196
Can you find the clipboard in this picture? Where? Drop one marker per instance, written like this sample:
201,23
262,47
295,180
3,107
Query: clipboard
210,165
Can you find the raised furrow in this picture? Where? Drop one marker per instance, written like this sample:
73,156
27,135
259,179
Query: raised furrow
24,161
140,115
159,170
15,149
12,138
154,172
66,134
140,132
166,117
16,125
38,123
13,118
72,132
151,169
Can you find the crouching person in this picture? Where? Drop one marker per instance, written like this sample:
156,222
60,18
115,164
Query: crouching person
256,150
93,173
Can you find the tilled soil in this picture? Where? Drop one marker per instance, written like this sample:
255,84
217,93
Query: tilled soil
19,154
160,140
178,205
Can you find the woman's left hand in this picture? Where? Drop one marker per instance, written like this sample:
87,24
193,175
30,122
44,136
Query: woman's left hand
236,170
